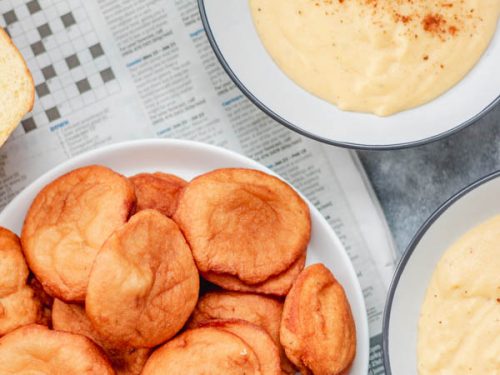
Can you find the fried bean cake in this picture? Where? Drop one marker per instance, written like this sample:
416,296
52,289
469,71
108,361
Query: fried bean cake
317,328
260,310
144,284
243,223
206,350
72,318
67,224
18,303
257,338
34,349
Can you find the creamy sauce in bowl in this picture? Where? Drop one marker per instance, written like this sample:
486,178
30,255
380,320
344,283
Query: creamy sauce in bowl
459,327
378,56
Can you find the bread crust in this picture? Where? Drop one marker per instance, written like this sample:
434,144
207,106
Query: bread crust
27,81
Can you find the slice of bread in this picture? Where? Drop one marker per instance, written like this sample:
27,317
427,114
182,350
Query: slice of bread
17,90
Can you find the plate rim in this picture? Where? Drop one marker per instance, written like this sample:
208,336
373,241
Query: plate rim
299,130
62,168
409,252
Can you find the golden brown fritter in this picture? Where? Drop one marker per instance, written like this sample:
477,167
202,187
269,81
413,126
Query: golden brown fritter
317,328
204,351
278,285
144,283
257,338
260,310
68,222
158,191
34,349
243,223
72,318
18,303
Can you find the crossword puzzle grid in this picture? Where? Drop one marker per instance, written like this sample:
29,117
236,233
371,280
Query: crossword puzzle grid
68,64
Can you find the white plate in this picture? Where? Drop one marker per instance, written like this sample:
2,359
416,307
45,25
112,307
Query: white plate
462,212
231,32
189,159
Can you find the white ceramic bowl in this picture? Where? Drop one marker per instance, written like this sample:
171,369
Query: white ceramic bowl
470,207
188,159
232,34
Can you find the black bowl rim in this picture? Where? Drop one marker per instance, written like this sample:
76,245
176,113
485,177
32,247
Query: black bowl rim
298,129
408,253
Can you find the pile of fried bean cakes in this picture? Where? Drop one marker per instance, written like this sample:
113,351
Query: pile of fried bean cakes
106,280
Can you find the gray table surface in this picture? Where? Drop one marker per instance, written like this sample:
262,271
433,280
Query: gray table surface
412,183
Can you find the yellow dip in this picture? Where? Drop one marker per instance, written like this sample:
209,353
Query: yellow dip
379,56
459,328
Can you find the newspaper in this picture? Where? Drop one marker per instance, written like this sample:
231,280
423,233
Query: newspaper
113,70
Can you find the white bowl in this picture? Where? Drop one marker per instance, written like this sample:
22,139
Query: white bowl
232,34
470,207
188,159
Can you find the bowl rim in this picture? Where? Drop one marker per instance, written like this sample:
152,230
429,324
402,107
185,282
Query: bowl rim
409,252
298,129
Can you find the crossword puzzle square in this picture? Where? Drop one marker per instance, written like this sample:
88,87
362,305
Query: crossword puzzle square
57,59
33,6
37,18
88,98
55,86
39,118
21,10
96,50
28,124
101,93
53,114
49,72
43,60
72,61
107,75
83,85
38,48
71,91
10,17
44,30
47,102
84,56
79,43
42,89
60,97
95,80
68,19
64,7
78,74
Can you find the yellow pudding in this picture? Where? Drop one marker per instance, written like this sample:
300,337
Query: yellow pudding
459,327
378,56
